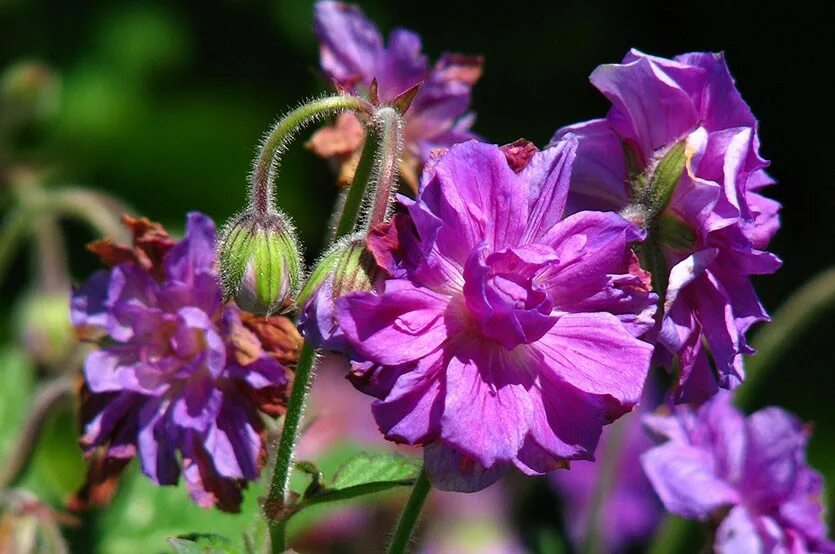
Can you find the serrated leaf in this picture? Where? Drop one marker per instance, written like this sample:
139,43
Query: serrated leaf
364,474
199,543
369,468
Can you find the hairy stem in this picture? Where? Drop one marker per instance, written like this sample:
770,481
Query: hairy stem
376,152
773,341
409,517
387,163
376,172
266,164
280,485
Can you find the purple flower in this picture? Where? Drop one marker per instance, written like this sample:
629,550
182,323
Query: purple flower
716,226
353,54
505,336
750,473
179,375
631,510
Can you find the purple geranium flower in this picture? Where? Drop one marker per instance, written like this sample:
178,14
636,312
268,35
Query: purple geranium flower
630,511
505,336
720,221
748,474
179,374
353,54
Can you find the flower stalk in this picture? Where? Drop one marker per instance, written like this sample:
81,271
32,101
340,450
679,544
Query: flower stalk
378,165
266,165
409,517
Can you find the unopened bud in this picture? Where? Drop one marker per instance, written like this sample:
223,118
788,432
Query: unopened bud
260,263
29,93
348,266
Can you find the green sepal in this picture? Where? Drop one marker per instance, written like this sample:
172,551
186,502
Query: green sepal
663,178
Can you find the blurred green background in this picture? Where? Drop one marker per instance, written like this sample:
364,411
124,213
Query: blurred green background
163,104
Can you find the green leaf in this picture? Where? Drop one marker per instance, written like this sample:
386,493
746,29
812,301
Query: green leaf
143,517
368,468
199,543
361,475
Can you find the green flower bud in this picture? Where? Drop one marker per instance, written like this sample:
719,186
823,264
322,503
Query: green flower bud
348,265
43,320
30,92
260,263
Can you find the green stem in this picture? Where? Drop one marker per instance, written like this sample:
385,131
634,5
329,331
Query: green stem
773,341
373,151
376,174
351,209
670,536
280,485
266,164
611,456
409,516
388,163
76,203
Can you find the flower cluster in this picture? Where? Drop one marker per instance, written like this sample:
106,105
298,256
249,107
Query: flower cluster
505,335
713,232
178,374
354,55
748,474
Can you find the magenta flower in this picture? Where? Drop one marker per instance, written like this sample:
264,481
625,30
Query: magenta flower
631,511
353,54
749,473
716,226
180,378
505,335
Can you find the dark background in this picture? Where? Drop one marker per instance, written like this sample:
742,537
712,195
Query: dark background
163,104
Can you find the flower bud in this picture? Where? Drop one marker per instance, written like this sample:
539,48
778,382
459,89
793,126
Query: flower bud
348,266
29,93
260,263
43,320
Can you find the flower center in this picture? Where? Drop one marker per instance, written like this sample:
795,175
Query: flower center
500,294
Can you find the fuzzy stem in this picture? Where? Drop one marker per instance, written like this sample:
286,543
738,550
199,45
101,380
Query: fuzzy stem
280,485
352,206
387,163
773,341
266,164
409,516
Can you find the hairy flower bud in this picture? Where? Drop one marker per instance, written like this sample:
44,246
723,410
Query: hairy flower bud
348,266
260,263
